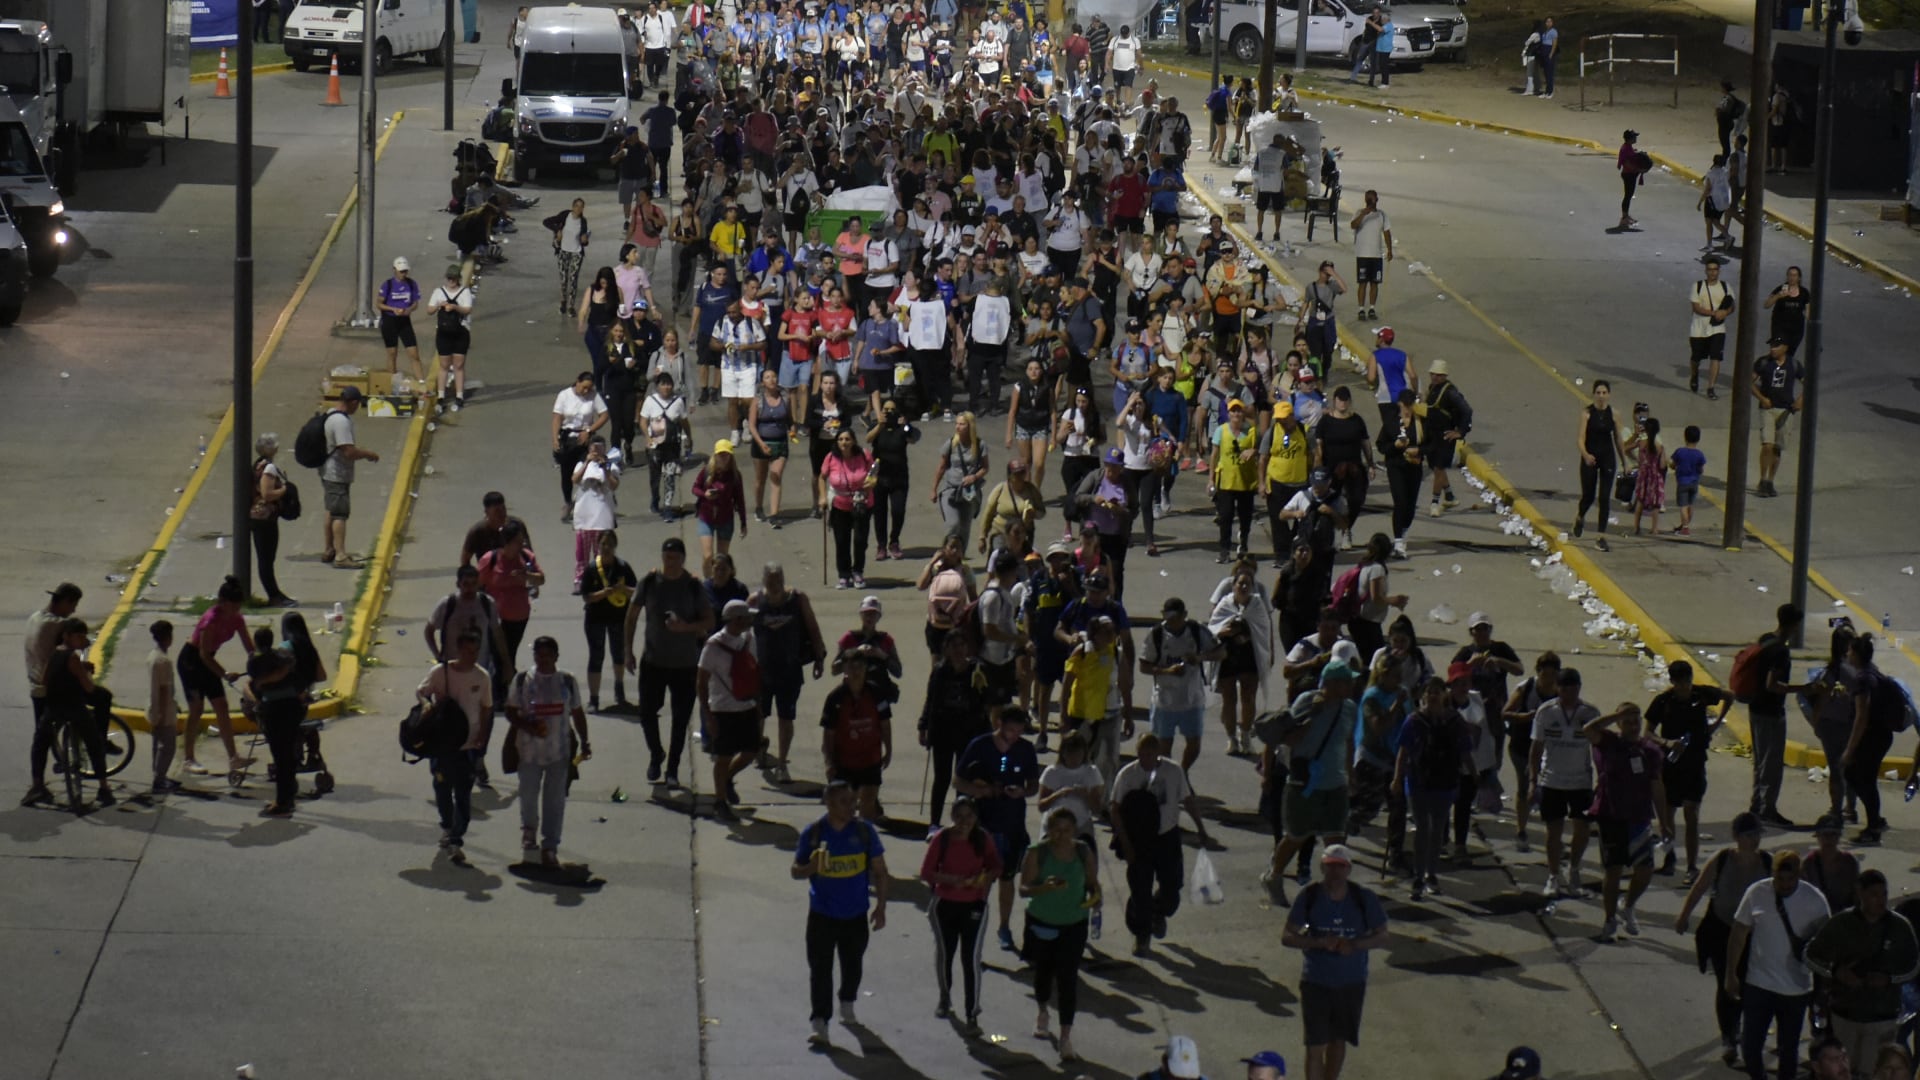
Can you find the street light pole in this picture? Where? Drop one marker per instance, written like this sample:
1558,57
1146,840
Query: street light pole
1216,45
1810,381
241,452
363,317
1267,47
446,67
1753,231
1300,17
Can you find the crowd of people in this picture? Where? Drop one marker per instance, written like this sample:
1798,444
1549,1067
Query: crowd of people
1033,258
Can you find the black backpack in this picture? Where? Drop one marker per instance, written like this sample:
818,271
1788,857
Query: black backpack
1438,765
1139,817
310,445
289,504
433,730
1888,707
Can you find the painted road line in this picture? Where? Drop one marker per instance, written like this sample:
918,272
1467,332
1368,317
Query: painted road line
1655,637
355,658
258,69
1683,171
142,574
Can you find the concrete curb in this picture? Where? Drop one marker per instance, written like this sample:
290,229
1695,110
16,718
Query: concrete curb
1792,225
258,69
1655,637
373,597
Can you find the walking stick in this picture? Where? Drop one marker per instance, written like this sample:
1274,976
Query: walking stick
926,774
823,542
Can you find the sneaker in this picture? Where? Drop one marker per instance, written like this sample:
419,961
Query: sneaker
1449,499
1040,744
1006,939
943,1010
732,794
196,769
1160,926
847,1015
819,1035
1460,854
593,703
35,795
778,774
859,581
844,583
1692,875
1400,548
1067,1053
1630,921
1419,890
1433,508
1602,544
105,798
653,772
1729,1054
1521,845
724,813
1610,930
1667,864
1276,887
454,405
1433,884
529,856
673,779
880,553
1778,820
1040,1025
1867,836
895,549
1552,888
971,1028
456,855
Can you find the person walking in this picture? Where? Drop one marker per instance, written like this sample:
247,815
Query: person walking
1879,705
719,499
539,706
1001,771
1774,923
952,715
1233,478
960,868
848,481
462,681
1722,885
1628,799
1435,748
1175,655
596,479
842,859
1779,394
857,733
728,683
959,481
666,424
1560,778
1061,885
1767,713
578,413
1601,448
607,584
787,635
452,307
1315,803
1711,302
510,574
1335,923
1789,305
1372,250
570,238
1678,715
1865,954
889,442
1449,419
1398,449
678,620
1145,804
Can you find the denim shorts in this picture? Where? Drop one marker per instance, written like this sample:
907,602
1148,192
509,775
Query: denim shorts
1684,494
1024,433
722,531
1169,722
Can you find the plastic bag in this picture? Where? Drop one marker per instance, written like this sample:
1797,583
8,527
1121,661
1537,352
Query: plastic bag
1204,886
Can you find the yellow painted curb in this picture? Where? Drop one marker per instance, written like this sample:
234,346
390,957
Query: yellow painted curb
116,620
1690,175
258,69
1652,634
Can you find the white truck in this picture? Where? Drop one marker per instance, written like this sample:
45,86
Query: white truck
319,30
572,91
1424,31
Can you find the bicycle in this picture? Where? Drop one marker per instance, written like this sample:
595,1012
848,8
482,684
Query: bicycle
69,748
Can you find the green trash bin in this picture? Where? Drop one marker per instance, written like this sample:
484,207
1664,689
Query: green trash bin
832,222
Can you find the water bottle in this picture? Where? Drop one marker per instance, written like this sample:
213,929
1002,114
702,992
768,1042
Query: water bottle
203,444
337,617
1886,619
1913,785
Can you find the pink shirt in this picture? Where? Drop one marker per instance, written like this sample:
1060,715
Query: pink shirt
509,590
216,627
845,476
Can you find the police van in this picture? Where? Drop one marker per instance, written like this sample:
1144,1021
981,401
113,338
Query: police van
572,89
319,30
1430,30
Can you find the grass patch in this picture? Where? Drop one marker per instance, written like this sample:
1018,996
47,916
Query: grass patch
207,61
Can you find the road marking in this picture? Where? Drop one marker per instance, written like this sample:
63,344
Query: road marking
116,619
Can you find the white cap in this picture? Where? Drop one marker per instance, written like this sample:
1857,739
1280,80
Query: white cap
401,263
1480,618
870,603
1183,1058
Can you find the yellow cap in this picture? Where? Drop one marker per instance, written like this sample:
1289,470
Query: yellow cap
723,446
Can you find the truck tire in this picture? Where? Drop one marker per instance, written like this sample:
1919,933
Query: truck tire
522,171
300,63
382,57
438,55
9,314
1245,45
43,256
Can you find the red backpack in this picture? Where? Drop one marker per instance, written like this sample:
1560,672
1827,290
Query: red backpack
1345,598
743,674
1748,681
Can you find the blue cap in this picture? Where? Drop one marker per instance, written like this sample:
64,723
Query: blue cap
1523,1063
1115,457
1267,1059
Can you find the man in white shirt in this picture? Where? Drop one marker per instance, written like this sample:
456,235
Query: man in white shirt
1000,626
336,478
578,412
656,42
1155,866
464,682
1123,56
729,688
987,346
1776,919
883,268
1269,185
1372,250
1173,655
1561,777
1711,302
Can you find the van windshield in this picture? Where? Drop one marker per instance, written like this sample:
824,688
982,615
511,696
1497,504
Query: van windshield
571,75
20,70
17,156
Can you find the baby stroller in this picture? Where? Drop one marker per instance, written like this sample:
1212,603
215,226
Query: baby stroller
311,759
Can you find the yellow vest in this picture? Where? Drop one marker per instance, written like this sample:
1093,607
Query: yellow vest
1287,460
1232,474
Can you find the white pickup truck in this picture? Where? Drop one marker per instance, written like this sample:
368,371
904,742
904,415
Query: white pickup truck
319,30
1435,30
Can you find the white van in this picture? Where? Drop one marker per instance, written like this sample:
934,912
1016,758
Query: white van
319,29
572,89
1424,31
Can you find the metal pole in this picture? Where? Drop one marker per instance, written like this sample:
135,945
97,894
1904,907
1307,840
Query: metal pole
1267,45
1753,231
1300,36
446,67
1810,383
1216,45
241,452
369,134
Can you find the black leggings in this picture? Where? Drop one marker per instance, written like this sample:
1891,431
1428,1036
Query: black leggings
1403,480
570,454
1628,181
280,722
1864,774
958,926
1463,806
514,631
849,541
1140,496
889,509
943,760
655,684
1596,485
1056,964
602,638
266,545
1229,505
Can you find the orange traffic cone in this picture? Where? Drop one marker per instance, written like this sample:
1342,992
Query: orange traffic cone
221,88
333,83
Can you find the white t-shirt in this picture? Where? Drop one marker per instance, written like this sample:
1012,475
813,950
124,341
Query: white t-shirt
1135,435
1712,296
1269,169
593,502
1066,233
577,413
472,689
661,416
1167,782
883,253
1568,764
1058,777
552,699
1124,54
338,468
998,608
1369,240
716,659
1188,690
460,297
1374,611
992,319
1770,962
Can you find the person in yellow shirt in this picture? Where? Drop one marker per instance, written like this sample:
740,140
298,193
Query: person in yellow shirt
1236,475
1092,697
728,237
1288,459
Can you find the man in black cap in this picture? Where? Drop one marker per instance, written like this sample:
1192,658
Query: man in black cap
1523,1063
679,618
1778,396
336,478
42,638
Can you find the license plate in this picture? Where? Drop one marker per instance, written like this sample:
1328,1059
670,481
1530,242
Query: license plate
573,159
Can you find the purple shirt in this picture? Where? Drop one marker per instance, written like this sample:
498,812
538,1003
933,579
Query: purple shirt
1106,521
399,293
1626,772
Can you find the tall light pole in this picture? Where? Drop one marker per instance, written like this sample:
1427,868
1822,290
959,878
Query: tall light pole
363,317
1733,530
446,67
241,452
1810,383
1216,45
1300,36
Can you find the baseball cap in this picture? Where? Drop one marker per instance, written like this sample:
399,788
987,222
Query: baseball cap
674,545
1173,606
1479,618
1459,670
1134,326
1629,134
1227,244
1385,334
1776,340
1283,410
1523,1063
1438,367
870,603
1114,456
1058,548
1183,1057
351,393
736,609
1746,823
1098,581
1335,670
1307,376
66,590
401,263
1236,405
1097,91
723,446
968,179
1271,1059
1335,853
1319,477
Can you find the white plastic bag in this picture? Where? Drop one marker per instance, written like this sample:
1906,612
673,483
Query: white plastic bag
1204,886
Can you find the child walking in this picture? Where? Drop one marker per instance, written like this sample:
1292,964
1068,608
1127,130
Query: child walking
1688,465
1650,489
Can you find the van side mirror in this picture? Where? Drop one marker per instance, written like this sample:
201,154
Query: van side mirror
63,67
393,5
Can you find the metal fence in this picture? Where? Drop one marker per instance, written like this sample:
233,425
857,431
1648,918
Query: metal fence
1613,60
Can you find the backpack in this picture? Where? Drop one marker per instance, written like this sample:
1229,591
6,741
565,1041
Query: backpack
743,674
289,504
310,445
1158,636
1438,766
1305,901
1747,680
1139,817
1889,706
1345,599
433,730
1217,101
1642,161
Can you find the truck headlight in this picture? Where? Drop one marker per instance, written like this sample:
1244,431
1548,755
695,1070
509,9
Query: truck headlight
353,35
60,236
56,209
